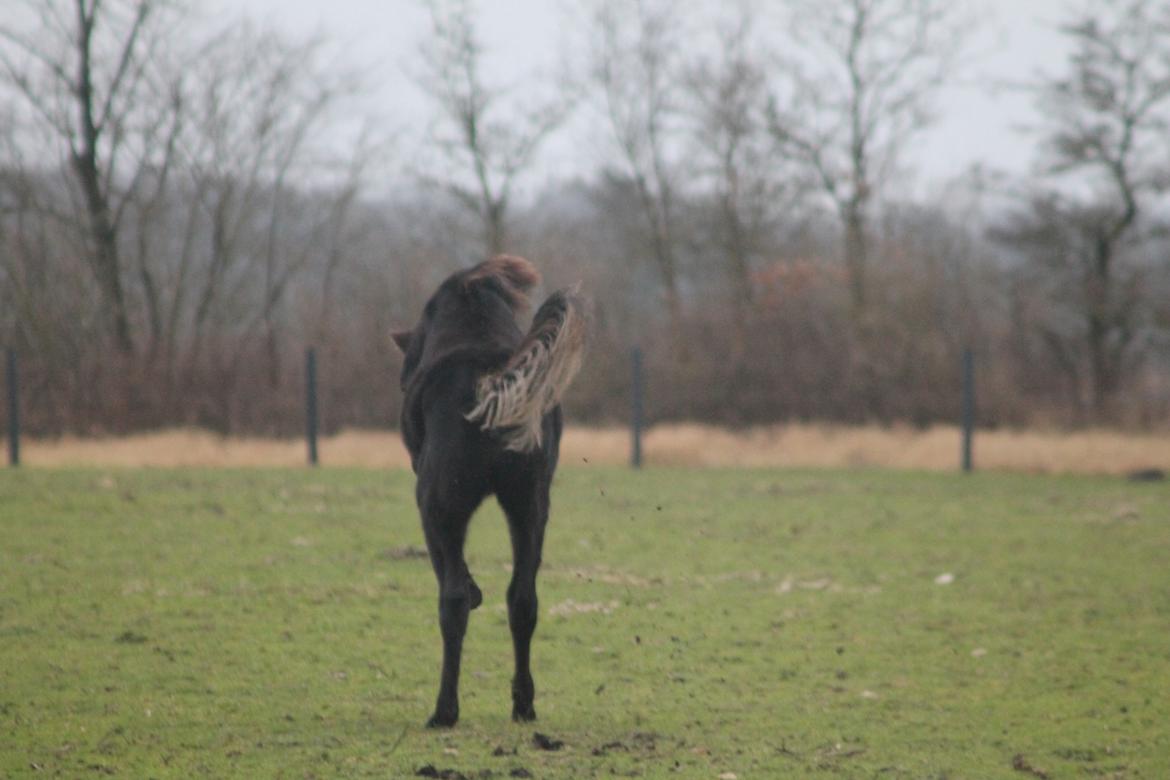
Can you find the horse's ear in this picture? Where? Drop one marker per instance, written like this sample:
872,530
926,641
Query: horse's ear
402,339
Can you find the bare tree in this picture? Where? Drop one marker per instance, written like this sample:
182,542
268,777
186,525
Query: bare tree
485,137
1104,129
729,149
258,105
863,78
638,69
85,70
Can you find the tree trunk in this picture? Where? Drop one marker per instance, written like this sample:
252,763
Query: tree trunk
667,270
105,259
740,270
1099,294
856,251
494,225
103,232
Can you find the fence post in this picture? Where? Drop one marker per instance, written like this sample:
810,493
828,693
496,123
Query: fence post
311,403
968,407
13,410
637,388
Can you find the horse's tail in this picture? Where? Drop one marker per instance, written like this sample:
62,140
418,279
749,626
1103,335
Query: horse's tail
515,398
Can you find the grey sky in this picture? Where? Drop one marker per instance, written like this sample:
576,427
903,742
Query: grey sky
976,124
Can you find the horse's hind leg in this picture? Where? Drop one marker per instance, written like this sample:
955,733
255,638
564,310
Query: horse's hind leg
445,526
527,511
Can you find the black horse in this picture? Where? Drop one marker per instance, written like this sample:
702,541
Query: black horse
481,415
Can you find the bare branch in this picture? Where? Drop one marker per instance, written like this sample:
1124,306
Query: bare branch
485,139
860,88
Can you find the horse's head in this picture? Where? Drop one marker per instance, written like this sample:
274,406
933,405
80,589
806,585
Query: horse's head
470,301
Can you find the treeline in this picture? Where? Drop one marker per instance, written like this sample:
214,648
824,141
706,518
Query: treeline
177,225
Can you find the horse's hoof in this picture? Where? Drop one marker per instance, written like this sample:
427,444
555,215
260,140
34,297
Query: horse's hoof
524,714
442,721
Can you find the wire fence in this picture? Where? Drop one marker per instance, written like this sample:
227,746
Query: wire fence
637,421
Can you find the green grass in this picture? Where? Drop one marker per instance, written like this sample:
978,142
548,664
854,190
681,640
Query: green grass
693,623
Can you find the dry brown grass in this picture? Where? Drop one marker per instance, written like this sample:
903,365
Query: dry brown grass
1097,451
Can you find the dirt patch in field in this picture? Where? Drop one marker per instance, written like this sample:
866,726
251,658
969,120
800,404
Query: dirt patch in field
601,574
1021,764
569,607
545,742
407,552
798,445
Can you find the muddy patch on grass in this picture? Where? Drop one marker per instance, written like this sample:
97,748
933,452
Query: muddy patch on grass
824,584
569,607
1021,764
130,638
780,583
638,742
408,552
601,574
429,770
753,575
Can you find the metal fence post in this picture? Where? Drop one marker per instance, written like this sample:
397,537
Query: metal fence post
311,403
637,387
13,410
968,407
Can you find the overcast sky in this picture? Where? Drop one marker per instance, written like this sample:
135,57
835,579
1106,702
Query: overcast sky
976,125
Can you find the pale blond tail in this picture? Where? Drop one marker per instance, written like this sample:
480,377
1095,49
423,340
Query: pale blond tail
515,399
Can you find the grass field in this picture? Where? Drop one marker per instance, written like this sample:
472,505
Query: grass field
694,623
